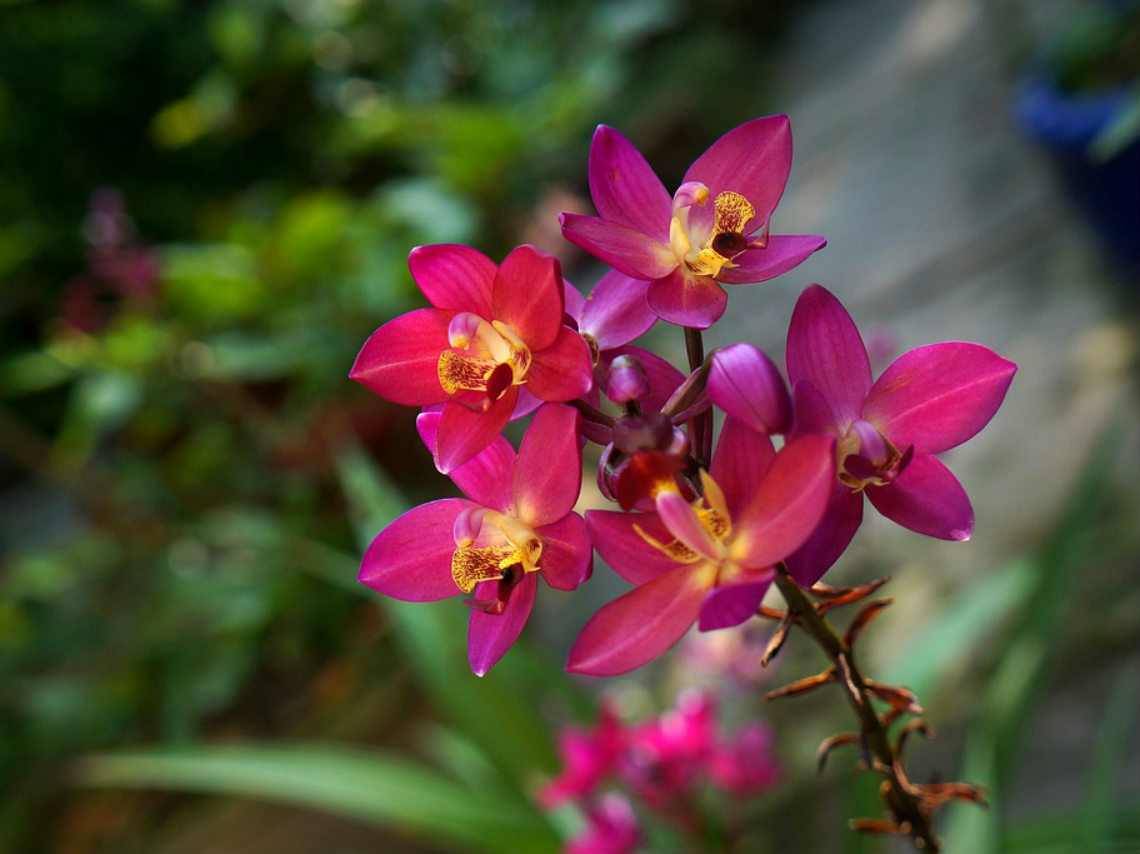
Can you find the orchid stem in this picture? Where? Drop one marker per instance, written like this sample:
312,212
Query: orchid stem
903,804
592,414
702,424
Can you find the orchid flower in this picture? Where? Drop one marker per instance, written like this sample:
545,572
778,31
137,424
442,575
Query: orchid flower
927,401
748,762
710,559
668,754
587,759
715,228
491,347
611,828
515,524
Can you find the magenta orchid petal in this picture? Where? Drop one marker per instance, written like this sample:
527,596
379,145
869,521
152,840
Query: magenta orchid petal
563,371
528,296
747,385
938,396
624,248
489,636
486,477
548,473
616,311
740,461
463,433
400,361
572,300
830,538
567,554
754,160
928,499
682,521
628,553
611,828
639,626
525,405
410,560
825,349
698,301
454,277
624,187
811,412
783,252
732,604
789,502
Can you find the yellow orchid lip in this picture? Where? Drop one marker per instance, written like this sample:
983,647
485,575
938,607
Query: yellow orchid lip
723,243
508,546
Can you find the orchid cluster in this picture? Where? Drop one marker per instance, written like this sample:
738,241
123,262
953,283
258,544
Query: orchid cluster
704,521
663,764
698,533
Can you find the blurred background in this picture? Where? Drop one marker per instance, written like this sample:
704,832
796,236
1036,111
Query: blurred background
206,208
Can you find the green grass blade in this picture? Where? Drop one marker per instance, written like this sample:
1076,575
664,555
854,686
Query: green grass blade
371,786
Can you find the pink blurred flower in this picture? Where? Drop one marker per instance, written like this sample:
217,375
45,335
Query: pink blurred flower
709,560
888,431
587,759
668,754
611,828
715,228
516,523
746,763
491,347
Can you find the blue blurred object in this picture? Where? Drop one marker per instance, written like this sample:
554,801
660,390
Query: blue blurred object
1106,191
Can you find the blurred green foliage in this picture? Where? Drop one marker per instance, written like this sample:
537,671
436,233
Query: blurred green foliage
205,208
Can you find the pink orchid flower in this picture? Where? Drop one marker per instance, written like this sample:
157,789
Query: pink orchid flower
491,347
747,763
515,524
611,828
668,754
927,401
715,228
587,759
709,560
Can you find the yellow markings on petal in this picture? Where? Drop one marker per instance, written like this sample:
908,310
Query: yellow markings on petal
493,344
715,517
707,262
510,546
471,565
732,212
677,550
463,373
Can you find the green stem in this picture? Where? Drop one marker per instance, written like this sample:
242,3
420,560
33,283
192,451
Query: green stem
904,805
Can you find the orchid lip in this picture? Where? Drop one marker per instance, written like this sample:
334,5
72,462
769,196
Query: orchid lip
492,546
868,458
493,357
706,254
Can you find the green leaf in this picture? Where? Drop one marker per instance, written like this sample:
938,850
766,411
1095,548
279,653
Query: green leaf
1108,760
963,626
372,786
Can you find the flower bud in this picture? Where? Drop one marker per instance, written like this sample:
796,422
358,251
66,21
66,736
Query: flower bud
627,380
633,433
747,385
